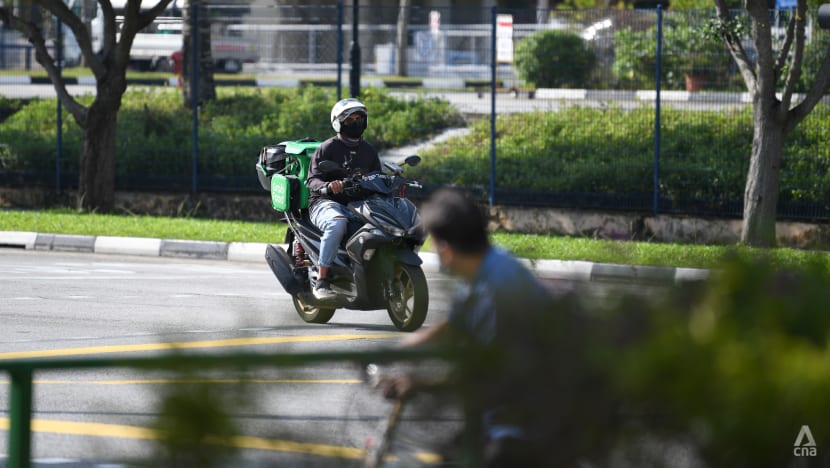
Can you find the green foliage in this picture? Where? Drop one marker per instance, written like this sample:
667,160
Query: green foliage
701,4
814,54
725,372
554,59
737,369
154,134
805,171
704,155
9,107
635,53
194,426
690,47
536,246
161,227
568,153
394,122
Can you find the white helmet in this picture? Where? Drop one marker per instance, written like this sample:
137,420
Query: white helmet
344,108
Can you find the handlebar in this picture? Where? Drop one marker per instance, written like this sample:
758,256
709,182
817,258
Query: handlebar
348,184
352,184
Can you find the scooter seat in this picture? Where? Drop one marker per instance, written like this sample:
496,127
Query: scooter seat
309,229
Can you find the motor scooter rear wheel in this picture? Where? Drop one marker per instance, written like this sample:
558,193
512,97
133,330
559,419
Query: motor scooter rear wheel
310,313
408,305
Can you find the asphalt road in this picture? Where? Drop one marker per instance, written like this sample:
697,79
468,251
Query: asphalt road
81,305
65,305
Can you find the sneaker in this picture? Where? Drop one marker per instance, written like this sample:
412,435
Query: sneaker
322,291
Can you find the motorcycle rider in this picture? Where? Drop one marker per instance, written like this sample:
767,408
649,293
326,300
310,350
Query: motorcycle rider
349,118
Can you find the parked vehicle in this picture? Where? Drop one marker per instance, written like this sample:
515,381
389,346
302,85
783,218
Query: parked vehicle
377,266
153,48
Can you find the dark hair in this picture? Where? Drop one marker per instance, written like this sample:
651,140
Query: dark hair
452,217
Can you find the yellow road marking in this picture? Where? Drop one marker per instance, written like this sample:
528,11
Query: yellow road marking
122,431
143,433
227,343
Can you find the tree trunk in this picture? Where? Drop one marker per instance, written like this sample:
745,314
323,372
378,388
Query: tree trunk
96,185
206,84
763,180
96,190
542,11
401,38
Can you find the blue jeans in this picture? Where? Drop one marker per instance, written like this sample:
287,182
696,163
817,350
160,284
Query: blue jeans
333,219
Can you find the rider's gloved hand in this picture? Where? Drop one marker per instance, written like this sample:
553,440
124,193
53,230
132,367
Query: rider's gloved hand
335,186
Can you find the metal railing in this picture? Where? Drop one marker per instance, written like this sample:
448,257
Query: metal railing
22,373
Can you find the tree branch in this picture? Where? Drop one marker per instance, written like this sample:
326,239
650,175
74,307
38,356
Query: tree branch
762,38
34,35
135,21
149,15
79,30
108,37
733,43
129,28
822,82
794,73
784,53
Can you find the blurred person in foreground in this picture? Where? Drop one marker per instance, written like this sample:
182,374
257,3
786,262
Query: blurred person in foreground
495,322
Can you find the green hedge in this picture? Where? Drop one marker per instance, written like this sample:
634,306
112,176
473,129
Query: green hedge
154,134
554,59
734,371
704,155
577,150
691,46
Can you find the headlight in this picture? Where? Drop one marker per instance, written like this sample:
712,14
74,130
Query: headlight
394,230
384,223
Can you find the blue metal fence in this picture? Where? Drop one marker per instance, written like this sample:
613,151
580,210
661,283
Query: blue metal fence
673,88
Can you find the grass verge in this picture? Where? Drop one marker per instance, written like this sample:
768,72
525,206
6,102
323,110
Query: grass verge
523,245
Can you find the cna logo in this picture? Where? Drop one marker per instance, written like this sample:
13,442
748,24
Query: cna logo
805,444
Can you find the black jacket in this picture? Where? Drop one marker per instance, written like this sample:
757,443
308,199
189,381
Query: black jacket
362,156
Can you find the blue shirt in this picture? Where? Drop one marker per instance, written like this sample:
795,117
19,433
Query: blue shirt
502,291
498,313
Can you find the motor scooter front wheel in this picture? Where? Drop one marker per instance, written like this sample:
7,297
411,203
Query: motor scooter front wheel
312,314
409,298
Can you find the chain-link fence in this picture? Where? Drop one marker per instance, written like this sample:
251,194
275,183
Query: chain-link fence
571,105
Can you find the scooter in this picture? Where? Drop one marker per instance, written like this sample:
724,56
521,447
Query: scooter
376,267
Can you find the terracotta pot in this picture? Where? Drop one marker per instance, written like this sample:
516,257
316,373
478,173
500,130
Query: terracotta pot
694,82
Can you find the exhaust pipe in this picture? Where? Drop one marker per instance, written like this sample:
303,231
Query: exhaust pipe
281,264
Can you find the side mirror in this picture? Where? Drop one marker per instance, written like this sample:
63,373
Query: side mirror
330,166
413,160
824,16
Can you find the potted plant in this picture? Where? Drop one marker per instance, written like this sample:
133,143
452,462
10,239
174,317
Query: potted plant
693,53
698,68
699,54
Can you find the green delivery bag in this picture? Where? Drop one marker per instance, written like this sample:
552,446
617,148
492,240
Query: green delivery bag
288,184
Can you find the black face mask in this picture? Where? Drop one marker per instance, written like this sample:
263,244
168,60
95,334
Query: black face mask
353,129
